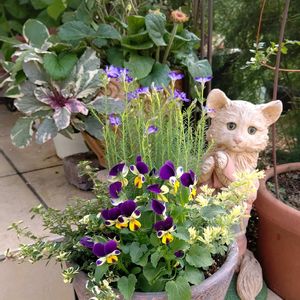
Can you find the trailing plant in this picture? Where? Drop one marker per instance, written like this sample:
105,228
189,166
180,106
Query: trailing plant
158,234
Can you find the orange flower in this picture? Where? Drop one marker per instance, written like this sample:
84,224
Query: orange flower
178,16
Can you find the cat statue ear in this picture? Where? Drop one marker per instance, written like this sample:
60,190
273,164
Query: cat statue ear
216,100
271,111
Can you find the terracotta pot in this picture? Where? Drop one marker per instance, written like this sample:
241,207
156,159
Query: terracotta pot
213,288
279,239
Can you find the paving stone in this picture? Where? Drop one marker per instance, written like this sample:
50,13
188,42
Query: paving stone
5,167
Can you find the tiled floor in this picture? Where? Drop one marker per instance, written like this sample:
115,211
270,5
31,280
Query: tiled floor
29,177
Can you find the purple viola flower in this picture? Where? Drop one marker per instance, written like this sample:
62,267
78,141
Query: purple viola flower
153,173
154,188
159,191
151,129
111,215
118,173
129,215
114,120
167,170
163,230
203,80
112,71
107,252
179,253
178,95
158,207
114,189
87,242
188,179
139,169
175,75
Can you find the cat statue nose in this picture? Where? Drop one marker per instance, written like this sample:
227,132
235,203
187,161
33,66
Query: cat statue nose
237,140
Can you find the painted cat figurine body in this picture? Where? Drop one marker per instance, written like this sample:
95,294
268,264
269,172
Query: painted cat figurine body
239,131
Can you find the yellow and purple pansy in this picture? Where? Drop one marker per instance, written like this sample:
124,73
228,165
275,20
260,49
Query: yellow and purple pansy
159,191
118,173
164,230
158,207
87,242
168,172
111,216
139,169
189,180
129,215
107,252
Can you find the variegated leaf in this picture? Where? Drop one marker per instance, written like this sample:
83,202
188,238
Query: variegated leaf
43,94
46,131
33,56
93,127
62,117
34,72
29,105
35,32
107,105
21,133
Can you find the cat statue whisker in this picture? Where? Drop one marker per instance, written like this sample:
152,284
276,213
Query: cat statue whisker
238,132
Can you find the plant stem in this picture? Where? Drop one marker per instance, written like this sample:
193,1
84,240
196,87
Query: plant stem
173,33
157,53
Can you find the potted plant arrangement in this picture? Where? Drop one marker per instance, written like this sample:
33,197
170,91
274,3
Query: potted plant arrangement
148,233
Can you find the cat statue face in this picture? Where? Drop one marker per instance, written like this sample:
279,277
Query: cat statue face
240,126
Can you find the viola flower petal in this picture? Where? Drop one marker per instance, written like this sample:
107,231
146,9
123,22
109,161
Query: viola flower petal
87,242
134,225
158,207
179,253
151,129
110,247
167,170
154,188
98,250
142,167
115,170
111,214
127,208
164,225
115,189
100,261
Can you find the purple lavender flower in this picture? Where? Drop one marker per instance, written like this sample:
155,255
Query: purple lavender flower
175,75
112,71
203,80
158,207
114,189
151,129
114,120
87,242
107,252
178,95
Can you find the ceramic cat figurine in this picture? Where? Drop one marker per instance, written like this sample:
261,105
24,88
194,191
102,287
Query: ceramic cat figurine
239,131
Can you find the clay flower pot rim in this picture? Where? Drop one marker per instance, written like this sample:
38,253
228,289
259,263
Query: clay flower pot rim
272,207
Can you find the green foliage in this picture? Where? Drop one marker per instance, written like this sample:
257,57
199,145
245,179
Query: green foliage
199,257
126,286
179,289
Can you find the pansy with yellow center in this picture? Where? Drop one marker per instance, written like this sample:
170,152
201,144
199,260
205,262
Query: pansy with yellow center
159,191
164,230
139,169
111,216
168,172
107,252
189,180
118,173
129,215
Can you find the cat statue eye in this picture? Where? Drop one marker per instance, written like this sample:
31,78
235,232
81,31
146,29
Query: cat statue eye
231,125
252,130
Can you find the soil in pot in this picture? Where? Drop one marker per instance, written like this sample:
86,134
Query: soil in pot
289,188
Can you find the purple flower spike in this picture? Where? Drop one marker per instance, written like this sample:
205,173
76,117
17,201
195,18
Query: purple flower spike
181,96
164,225
175,75
114,189
158,207
112,72
114,120
87,242
142,90
179,253
167,170
154,188
203,80
151,129
127,208
188,179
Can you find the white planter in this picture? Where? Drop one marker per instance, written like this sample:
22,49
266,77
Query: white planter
65,147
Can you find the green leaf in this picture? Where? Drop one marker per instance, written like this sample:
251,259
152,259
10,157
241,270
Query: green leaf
115,57
21,133
100,272
39,4
126,286
59,67
46,131
155,257
179,289
99,42
107,105
108,32
158,76
210,212
137,251
34,72
56,8
9,40
17,10
135,24
199,257
155,24
193,275
29,105
75,30
62,118
93,127
199,68
151,272
35,32
139,66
